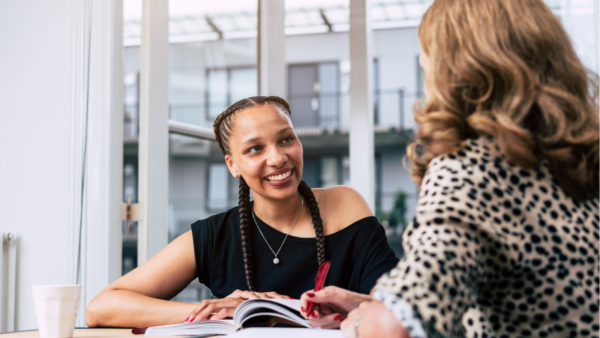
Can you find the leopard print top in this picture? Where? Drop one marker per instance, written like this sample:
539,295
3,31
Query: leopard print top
498,251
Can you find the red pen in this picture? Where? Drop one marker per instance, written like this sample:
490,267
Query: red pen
319,281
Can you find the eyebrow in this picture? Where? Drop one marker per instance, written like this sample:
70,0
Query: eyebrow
253,139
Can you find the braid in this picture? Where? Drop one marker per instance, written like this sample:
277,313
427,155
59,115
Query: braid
223,128
311,201
245,210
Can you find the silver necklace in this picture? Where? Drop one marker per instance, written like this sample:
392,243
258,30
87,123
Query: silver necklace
276,260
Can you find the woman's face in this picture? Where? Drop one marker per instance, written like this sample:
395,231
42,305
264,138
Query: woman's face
265,150
424,62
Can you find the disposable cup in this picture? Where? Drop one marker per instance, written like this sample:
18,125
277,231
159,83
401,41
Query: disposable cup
56,309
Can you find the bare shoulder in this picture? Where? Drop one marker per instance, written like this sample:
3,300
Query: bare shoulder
341,206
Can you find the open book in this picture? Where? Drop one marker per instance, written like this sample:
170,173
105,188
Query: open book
251,313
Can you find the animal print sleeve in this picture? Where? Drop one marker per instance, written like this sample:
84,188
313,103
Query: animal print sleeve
441,269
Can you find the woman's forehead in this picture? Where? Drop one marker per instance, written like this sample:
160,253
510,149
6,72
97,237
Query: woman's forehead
260,121
261,116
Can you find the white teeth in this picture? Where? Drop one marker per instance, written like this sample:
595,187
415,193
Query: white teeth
279,177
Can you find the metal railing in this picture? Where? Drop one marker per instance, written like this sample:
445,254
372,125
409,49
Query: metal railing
315,112
311,113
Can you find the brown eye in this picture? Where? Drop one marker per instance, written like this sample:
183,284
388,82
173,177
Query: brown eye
253,149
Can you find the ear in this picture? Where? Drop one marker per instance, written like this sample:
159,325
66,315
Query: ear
231,166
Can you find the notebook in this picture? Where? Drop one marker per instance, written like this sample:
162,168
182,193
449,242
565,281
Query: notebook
251,313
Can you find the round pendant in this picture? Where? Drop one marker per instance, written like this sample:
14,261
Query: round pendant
276,260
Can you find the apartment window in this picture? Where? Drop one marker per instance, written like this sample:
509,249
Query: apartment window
218,187
329,171
314,95
227,86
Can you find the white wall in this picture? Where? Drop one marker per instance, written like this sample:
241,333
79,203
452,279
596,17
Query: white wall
36,143
42,105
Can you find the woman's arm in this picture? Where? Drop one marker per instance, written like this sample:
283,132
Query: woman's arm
141,298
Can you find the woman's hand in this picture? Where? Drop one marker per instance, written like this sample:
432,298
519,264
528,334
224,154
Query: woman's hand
215,309
374,320
331,305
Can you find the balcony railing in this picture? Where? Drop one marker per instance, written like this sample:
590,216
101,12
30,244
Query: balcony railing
311,113
321,111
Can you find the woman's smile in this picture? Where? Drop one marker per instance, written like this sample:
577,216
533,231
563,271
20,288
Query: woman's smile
280,177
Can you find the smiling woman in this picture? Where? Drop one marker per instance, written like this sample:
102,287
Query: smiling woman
270,247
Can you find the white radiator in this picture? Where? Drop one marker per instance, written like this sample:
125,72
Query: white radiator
8,281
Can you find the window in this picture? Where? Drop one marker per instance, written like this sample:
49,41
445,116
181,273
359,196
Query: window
313,94
227,86
329,171
218,187
217,92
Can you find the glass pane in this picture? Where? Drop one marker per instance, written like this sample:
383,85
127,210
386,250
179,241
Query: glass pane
132,14
329,171
217,92
212,63
243,83
318,75
396,87
329,107
218,192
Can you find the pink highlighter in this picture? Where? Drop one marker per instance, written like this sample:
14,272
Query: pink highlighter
319,281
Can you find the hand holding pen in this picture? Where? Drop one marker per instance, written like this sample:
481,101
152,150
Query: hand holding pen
327,306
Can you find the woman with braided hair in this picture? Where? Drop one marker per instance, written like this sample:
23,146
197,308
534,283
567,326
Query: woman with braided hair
270,247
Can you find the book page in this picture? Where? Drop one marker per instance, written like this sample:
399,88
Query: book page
205,327
278,332
282,308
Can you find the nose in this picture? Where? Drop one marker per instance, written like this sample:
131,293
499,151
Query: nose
276,157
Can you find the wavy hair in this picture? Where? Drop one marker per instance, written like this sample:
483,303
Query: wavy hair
506,69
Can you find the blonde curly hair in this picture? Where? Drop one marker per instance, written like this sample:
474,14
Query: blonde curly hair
507,69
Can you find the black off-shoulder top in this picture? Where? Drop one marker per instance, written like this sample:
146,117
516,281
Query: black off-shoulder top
359,255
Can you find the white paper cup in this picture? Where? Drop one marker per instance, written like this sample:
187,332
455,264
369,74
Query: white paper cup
56,309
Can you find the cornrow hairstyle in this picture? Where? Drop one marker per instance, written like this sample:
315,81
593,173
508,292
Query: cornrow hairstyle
223,128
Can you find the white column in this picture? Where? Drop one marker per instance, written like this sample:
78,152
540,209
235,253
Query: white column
362,159
102,235
271,48
153,137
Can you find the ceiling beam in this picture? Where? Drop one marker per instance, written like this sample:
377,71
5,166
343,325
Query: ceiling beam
325,20
213,26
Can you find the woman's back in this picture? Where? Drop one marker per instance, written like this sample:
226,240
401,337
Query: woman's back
506,251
